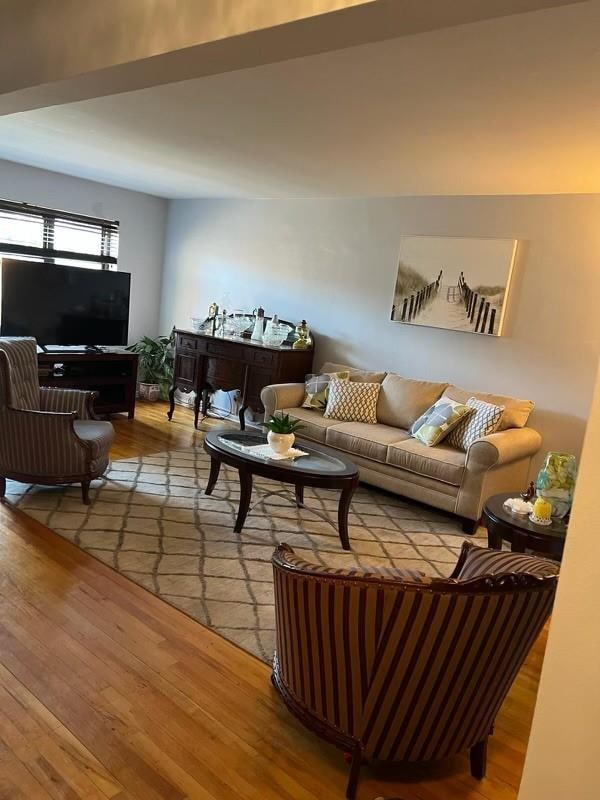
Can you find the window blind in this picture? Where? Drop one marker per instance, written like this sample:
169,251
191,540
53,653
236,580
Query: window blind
57,236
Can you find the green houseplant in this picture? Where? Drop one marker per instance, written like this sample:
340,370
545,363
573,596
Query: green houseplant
282,432
155,366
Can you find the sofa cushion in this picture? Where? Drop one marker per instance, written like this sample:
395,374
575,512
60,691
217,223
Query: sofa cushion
314,424
516,412
352,402
485,421
316,388
99,435
437,422
402,400
357,375
442,463
364,439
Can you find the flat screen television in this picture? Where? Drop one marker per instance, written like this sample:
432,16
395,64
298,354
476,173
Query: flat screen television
64,305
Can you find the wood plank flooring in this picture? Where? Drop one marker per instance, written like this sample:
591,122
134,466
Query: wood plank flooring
106,692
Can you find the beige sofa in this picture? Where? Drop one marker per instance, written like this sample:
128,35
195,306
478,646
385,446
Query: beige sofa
388,457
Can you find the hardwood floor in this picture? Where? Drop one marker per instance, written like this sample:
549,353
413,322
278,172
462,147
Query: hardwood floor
107,692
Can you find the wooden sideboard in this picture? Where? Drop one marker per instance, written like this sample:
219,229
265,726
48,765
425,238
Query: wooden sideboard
205,363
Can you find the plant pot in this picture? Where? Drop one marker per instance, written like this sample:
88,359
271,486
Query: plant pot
280,442
149,391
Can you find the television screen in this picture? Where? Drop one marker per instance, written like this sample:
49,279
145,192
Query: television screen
64,305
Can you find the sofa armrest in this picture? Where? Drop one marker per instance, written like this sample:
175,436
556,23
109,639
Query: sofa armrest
503,447
281,395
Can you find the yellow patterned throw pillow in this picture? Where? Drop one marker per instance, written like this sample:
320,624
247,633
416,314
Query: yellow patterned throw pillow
437,422
352,402
316,388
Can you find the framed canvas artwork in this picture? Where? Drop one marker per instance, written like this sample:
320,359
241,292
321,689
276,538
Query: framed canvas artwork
461,284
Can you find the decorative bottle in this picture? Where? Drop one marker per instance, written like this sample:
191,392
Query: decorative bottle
259,325
303,340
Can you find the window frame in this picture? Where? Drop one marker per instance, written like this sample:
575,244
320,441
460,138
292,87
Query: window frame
108,230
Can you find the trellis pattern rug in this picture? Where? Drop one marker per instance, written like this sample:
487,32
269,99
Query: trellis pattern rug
150,520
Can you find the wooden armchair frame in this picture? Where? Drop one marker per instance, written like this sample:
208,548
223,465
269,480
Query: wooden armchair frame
398,669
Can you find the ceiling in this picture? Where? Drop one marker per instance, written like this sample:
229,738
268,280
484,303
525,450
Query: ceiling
505,106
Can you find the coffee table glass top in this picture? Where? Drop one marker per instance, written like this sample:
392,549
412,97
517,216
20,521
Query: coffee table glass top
320,459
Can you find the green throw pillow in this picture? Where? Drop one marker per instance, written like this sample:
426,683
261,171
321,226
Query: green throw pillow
437,422
316,388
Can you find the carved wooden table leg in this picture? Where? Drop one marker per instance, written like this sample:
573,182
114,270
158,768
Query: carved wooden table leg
171,403
197,408
343,507
215,467
245,495
244,394
299,495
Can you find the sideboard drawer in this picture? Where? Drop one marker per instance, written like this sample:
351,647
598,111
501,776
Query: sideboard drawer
187,343
224,350
186,369
263,358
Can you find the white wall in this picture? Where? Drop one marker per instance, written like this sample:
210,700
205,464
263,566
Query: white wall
562,757
334,262
142,230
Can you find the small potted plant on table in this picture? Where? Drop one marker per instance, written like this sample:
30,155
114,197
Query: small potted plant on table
155,366
282,433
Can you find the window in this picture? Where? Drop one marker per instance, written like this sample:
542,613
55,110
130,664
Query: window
58,237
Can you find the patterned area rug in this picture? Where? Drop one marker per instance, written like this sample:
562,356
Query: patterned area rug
150,520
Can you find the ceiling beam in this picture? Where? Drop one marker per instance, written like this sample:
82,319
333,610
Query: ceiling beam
52,54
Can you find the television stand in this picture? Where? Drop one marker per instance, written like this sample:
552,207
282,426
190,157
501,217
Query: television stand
112,375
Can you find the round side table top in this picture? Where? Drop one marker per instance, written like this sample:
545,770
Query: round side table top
495,510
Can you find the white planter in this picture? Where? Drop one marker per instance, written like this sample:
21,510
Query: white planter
280,442
149,391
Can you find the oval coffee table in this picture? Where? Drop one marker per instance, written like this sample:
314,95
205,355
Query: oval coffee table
501,523
322,467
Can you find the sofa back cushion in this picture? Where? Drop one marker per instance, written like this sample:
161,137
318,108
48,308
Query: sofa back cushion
402,400
516,412
356,375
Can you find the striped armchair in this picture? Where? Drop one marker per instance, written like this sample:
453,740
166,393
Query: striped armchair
396,666
47,436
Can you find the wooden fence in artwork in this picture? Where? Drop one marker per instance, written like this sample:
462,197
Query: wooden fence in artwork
479,311
416,302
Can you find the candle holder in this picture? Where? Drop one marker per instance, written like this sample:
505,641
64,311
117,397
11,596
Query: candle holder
539,520
542,512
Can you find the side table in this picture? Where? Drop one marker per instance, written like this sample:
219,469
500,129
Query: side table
503,525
